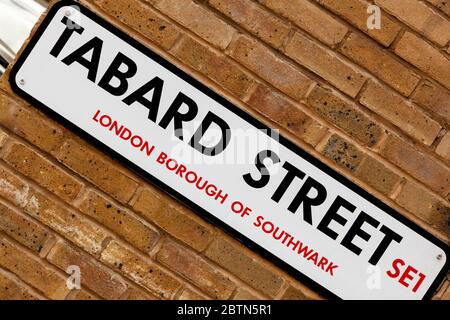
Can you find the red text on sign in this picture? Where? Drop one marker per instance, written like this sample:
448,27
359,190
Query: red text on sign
410,276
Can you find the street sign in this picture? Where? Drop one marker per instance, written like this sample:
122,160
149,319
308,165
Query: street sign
222,162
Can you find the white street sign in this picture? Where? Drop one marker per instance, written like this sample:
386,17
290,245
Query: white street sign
223,163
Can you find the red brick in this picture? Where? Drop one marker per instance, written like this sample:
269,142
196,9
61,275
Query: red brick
377,175
355,12
214,65
143,19
99,170
329,105
14,289
201,273
198,20
326,64
289,116
420,165
400,112
270,66
371,56
32,270
443,148
181,224
119,220
425,57
420,17
255,19
310,18
93,274
425,205
71,225
22,229
239,261
142,271
342,152
42,171
434,98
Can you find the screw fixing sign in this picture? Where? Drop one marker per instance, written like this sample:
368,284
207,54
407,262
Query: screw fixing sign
222,162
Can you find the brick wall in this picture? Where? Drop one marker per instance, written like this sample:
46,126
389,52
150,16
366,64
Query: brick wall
373,104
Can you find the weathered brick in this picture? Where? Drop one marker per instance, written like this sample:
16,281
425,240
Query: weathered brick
425,205
143,19
420,165
13,289
191,266
420,17
188,294
141,271
271,67
3,137
342,152
377,175
32,270
443,5
138,294
243,294
37,129
119,220
326,64
22,229
355,12
82,295
400,112
293,293
433,98
443,148
42,171
66,222
8,109
99,170
310,18
93,274
425,57
255,19
240,262
344,114
198,20
371,56
214,65
177,222
437,295
289,116
446,295
13,189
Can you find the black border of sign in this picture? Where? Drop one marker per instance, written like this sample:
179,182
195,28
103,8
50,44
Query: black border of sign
256,123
